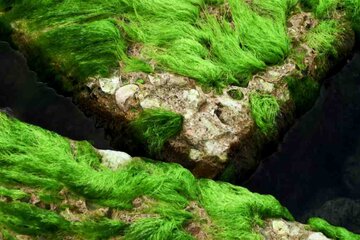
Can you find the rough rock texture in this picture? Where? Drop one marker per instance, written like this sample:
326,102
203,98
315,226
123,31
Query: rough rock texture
219,131
217,127
114,159
279,229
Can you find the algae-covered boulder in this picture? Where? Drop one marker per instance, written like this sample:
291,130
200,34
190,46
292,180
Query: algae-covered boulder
205,83
54,188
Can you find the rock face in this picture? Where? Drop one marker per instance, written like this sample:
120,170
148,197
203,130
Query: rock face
114,159
65,192
279,229
218,127
219,131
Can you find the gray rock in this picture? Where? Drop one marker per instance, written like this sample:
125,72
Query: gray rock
124,93
114,159
317,236
280,227
109,85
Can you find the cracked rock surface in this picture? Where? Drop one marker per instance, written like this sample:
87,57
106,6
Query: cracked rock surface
216,125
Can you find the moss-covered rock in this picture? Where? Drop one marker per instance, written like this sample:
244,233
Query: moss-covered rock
55,188
200,59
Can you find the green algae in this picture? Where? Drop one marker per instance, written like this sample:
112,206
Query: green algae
324,9
338,233
324,38
36,160
156,126
303,91
264,109
235,210
216,50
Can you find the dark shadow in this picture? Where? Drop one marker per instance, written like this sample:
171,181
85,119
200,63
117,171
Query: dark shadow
33,102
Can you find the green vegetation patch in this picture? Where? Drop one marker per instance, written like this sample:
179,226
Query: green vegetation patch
325,9
83,50
34,161
338,233
264,109
303,91
325,38
155,126
217,48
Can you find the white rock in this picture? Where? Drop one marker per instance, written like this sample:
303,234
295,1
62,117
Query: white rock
194,154
230,103
150,103
268,87
177,81
280,227
317,236
124,93
215,149
192,96
274,73
157,80
294,231
114,159
109,85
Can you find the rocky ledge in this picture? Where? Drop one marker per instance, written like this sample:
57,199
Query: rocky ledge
55,188
224,129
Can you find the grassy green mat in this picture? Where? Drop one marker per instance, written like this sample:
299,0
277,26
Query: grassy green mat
215,42
38,164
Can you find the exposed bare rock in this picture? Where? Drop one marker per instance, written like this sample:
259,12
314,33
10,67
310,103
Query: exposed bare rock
114,159
279,229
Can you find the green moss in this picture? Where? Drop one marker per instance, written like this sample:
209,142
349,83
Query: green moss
157,229
43,162
83,50
303,92
338,233
236,94
324,38
231,210
155,126
83,38
325,9
264,109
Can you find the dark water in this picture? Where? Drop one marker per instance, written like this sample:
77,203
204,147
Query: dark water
35,103
316,171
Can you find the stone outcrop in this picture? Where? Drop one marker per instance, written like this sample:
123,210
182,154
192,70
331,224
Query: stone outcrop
219,130
53,187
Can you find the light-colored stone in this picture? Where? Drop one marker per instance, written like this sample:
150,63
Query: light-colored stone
192,96
150,103
280,227
114,159
109,85
294,231
124,93
158,80
230,103
267,87
317,236
194,154
177,81
212,148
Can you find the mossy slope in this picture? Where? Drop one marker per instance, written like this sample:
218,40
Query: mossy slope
55,188
44,175
88,38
